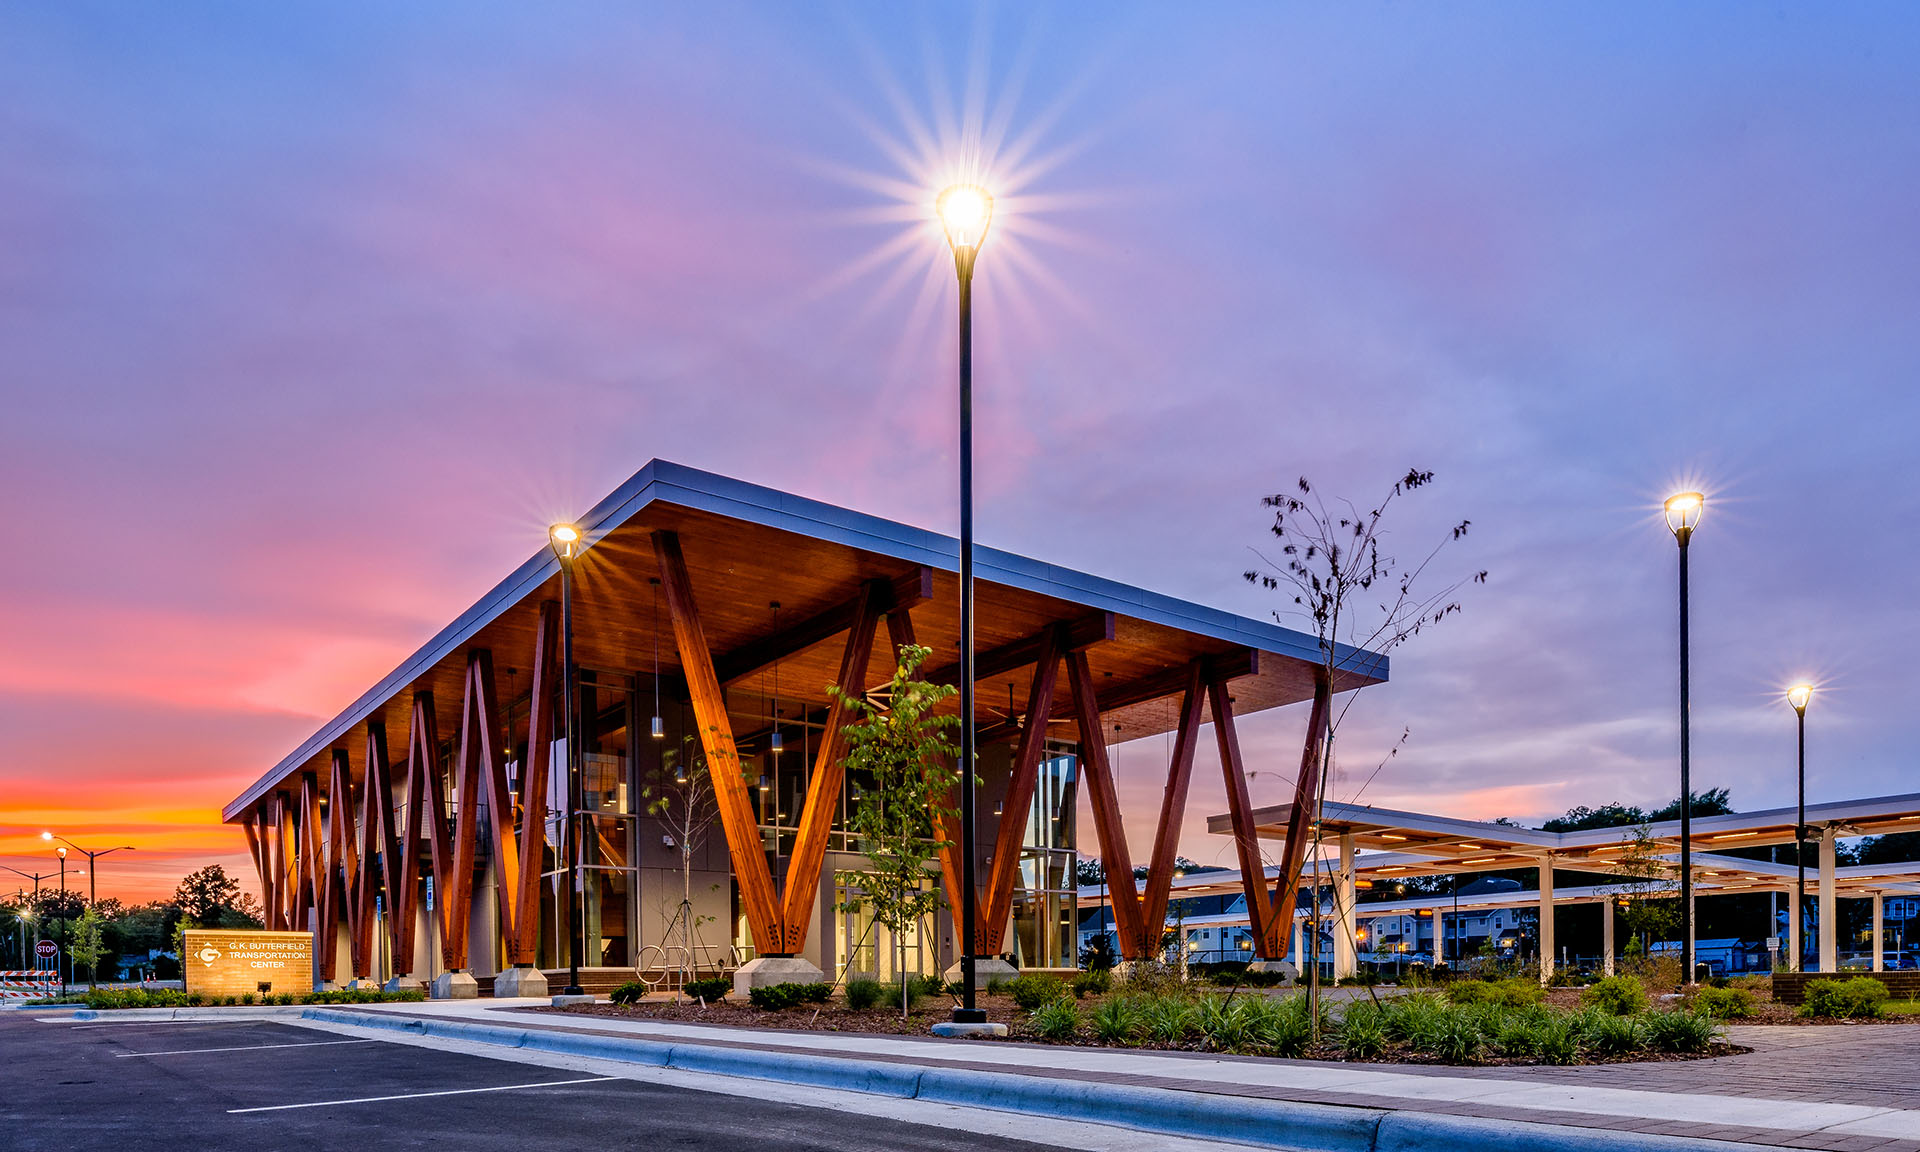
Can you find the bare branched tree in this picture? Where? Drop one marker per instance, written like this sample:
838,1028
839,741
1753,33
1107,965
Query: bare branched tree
1360,601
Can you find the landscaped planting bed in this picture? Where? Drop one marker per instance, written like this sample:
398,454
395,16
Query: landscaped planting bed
1469,1022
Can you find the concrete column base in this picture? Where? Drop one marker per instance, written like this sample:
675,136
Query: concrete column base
764,971
1285,968
363,984
520,982
403,984
968,1031
986,970
565,1001
454,986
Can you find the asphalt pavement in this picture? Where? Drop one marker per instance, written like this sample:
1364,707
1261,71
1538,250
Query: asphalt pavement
258,1085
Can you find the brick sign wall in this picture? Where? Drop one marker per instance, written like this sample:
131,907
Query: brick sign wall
223,962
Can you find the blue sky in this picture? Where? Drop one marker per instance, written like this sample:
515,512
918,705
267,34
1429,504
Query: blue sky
312,316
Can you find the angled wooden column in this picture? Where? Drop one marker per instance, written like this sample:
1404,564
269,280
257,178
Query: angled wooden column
1246,838
1173,807
426,817
315,880
823,790
1005,870
1114,857
454,892
343,862
379,837
256,848
484,761
1286,887
286,858
523,941
723,759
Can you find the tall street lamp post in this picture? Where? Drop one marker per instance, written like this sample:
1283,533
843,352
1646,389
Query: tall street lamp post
565,540
1683,515
965,211
62,962
1798,695
93,862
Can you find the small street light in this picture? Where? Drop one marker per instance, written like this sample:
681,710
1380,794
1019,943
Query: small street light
1798,696
1683,515
965,212
565,542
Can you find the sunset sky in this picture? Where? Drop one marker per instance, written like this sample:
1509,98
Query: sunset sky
312,317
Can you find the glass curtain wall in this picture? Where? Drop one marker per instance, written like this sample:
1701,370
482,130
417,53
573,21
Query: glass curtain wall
608,711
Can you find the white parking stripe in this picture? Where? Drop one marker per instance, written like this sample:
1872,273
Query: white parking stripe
244,1048
424,1095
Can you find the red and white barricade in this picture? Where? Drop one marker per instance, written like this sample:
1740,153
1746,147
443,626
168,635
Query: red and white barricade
28,983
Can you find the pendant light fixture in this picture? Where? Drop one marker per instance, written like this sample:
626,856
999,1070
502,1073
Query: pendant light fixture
659,726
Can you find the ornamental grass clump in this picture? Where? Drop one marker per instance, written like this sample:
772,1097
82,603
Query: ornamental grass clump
1168,1019
1605,1034
1454,1036
1276,1027
1363,1034
1223,1025
1558,1038
1680,1031
1058,1020
1117,1021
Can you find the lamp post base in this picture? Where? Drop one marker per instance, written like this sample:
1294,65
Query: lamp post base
969,1016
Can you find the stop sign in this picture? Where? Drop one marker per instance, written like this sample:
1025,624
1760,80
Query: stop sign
45,948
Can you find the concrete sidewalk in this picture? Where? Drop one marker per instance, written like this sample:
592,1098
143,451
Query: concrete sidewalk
1771,1096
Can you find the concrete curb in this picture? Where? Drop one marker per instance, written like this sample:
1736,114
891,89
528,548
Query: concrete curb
1200,1115
135,1015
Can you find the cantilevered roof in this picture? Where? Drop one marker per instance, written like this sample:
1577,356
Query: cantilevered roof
747,546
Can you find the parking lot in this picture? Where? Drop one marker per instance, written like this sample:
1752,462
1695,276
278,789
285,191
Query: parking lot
260,1085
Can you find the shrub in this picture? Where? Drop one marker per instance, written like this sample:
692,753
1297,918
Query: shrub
775,997
996,987
1724,1003
1058,1019
921,987
711,990
1097,982
1032,990
1513,992
958,988
1616,996
1116,1021
1862,997
246,998
628,993
1518,1036
1679,1031
865,993
1609,1035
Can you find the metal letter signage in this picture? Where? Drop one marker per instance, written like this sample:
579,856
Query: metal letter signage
222,962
